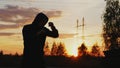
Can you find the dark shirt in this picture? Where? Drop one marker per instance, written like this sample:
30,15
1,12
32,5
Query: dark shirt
34,41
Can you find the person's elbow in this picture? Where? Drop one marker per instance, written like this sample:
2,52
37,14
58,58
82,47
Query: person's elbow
56,35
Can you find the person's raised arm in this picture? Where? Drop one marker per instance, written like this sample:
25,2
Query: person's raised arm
54,32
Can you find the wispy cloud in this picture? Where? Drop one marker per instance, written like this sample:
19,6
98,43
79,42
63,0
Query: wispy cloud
62,36
17,14
6,34
21,15
51,14
2,26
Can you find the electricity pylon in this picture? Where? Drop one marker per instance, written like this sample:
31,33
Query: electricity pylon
83,24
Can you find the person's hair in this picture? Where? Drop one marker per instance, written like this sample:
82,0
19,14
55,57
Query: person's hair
40,17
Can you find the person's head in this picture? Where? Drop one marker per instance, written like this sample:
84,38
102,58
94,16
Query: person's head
40,20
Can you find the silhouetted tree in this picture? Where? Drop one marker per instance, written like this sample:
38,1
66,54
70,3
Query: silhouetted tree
16,54
111,25
95,50
46,49
1,53
82,50
54,49
61,49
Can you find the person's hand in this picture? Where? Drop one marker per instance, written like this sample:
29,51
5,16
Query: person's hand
50,24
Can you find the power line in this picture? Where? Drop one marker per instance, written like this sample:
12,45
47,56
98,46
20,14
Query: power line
83,30
82,25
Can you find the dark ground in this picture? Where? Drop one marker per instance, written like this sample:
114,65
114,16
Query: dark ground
9,61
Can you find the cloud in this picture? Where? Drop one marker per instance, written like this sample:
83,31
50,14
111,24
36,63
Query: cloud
51,14
17,14
62,36
2,26
6,34
21,15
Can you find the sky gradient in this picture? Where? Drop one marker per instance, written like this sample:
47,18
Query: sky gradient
14,14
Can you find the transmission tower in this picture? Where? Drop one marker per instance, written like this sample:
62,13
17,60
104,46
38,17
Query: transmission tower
82,25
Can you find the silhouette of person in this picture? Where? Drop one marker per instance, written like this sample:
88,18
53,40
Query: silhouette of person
34,36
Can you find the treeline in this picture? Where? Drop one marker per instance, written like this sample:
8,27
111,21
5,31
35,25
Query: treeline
9,60
59,49
58,52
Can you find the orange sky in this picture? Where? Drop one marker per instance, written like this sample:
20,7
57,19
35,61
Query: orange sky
16,13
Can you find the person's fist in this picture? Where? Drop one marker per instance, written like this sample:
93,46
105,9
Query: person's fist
50,24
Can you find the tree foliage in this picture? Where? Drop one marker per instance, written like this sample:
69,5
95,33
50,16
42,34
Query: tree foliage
46,49
111,25
95,50
61,49
58,49
82,50
54,49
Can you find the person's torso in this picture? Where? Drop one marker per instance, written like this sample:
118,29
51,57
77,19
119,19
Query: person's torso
34,39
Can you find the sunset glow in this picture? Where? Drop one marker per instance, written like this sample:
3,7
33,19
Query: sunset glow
14,14
73,51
